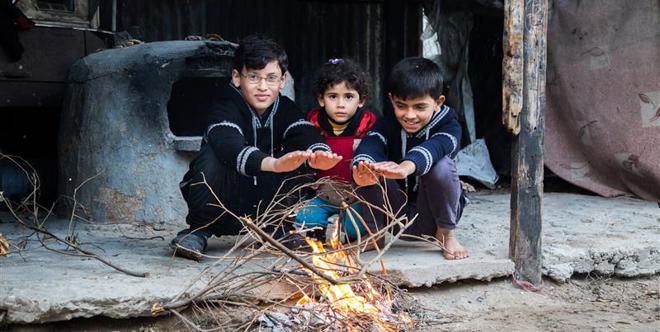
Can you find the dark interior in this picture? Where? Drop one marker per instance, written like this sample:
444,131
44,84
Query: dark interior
485,71
31,133
191,98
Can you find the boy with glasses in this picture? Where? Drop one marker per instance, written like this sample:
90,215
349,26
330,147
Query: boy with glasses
255,140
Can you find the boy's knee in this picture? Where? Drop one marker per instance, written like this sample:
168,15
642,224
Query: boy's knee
443,173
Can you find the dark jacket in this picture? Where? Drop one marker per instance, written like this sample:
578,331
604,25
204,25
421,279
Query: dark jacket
241,139
388,141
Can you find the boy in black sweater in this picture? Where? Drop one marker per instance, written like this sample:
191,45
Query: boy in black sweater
412,150
256,139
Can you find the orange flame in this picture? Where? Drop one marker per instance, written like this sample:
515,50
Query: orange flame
343,297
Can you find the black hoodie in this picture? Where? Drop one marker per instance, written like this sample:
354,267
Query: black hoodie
242,139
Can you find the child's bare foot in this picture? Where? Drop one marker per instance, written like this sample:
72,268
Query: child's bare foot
452,248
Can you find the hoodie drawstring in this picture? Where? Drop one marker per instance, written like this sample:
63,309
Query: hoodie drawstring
256,124
404,142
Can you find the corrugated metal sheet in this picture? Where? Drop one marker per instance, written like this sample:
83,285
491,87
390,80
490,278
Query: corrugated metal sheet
311,31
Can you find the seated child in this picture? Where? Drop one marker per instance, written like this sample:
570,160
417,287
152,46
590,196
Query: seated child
412,149
341,88
257,140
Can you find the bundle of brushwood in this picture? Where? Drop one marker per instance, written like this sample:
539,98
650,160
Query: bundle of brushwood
331,289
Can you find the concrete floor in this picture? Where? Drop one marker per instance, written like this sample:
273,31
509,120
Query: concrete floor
582,234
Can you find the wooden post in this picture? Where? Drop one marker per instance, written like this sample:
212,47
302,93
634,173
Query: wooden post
524,103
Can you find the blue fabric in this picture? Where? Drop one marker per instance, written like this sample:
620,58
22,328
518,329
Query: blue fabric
14,181
317,212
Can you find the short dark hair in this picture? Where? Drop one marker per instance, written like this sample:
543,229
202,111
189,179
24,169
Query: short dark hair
256,51
336,71
415,77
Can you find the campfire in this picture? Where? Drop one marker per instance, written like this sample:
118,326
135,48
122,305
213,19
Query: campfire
356,301
328,289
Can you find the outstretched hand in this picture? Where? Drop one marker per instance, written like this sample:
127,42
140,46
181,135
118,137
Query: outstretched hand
323,160
393,170
286,163
366,174
363,175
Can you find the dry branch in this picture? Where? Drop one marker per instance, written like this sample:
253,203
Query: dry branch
267,238
39,228
233,286
4,245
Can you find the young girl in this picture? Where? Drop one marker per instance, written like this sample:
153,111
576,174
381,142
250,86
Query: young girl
341,88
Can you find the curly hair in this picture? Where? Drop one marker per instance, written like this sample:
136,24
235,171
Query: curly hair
336,71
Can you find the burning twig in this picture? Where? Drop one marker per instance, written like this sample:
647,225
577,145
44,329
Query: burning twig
248,223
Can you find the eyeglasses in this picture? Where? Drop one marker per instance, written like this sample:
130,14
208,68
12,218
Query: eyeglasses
256,79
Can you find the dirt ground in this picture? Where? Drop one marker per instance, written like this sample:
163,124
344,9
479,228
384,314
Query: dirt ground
589,303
